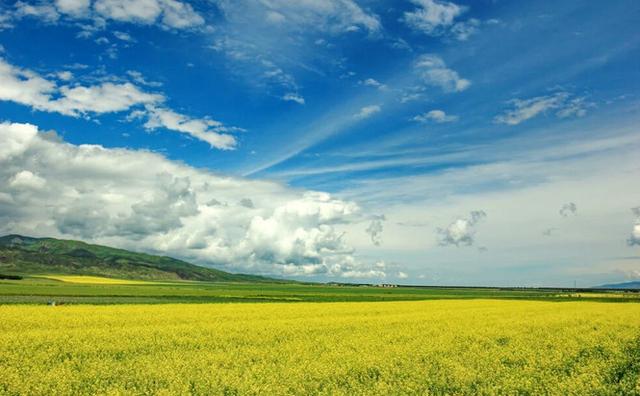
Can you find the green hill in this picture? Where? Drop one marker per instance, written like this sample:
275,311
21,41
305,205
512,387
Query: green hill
21,255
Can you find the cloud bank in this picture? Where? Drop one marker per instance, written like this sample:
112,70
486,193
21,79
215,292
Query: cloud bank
141,200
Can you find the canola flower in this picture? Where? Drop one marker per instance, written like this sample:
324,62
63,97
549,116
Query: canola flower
96,280
452,347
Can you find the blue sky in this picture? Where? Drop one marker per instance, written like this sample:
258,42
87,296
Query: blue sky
422,141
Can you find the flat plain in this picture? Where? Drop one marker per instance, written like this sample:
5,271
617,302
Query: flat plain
106,336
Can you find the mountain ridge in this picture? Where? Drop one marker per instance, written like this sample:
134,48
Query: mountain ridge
24,255
625,285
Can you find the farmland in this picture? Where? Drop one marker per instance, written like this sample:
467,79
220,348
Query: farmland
68,289
466,346
121,323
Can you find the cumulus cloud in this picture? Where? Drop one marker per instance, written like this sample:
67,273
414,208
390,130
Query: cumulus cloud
293,97
375,229
438,116
432,17
44,11
435,72
168,14
367,111
141,200
75,8
462,231
441,18
562,103
371,82
630,274
26,180
568,209
634,239
29,88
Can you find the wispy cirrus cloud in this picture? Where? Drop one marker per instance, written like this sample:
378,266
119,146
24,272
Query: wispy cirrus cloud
271,43
563,103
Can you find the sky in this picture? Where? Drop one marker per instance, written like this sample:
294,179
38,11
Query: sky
417,142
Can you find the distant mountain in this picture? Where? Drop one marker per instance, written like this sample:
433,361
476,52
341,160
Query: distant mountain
22,255
625,285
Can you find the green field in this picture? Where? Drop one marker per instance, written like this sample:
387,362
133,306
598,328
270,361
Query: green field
38,290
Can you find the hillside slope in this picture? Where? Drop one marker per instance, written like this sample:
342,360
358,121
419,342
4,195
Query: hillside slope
25,255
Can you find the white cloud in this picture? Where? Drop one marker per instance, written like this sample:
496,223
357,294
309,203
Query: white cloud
367,111
65,75
435,72
142,11
26,180
180,15
269,41
124,36
462,231
333,16
463,30
562,102
293,97
210,131
104,98
44,11
433,17
169,14
568,209
137,77
24,87
76,8
441,18
634,239
375,229
141,200
438,116
370,82
30,89
402,275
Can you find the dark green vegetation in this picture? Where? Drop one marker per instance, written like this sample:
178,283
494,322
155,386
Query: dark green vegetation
20,255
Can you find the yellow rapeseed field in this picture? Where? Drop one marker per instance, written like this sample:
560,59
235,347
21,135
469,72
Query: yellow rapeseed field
449,347
95,280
